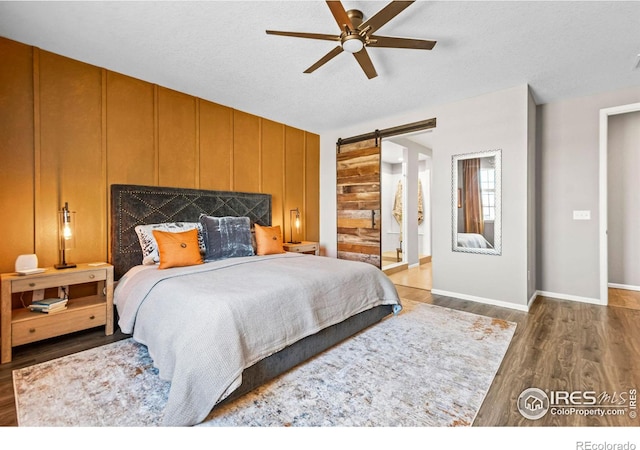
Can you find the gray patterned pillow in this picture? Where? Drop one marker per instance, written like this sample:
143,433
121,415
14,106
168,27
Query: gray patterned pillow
226,237
149,245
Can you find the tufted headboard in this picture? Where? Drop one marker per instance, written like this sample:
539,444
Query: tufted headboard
133,205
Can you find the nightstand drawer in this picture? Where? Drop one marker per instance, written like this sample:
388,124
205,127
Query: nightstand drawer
64,322
55,280
304,248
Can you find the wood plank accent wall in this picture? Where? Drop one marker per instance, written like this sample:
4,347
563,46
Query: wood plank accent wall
68,130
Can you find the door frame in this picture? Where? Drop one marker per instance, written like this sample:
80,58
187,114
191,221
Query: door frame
605,113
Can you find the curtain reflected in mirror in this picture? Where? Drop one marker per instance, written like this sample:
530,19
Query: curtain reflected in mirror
476,202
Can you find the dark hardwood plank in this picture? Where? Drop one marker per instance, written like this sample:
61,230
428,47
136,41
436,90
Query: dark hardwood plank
558,345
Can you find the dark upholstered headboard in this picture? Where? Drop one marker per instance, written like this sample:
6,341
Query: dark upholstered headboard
133,205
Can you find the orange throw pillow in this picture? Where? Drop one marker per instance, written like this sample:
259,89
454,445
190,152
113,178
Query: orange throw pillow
178,249
268,240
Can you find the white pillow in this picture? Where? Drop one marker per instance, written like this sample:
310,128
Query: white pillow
149,245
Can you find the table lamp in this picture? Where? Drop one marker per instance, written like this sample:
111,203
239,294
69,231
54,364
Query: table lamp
67,235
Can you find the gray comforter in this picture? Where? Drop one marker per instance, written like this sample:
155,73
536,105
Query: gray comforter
203,325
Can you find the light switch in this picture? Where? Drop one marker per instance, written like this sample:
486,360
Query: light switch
582,215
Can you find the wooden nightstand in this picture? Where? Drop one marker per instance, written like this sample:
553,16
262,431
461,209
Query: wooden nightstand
312,248
21,326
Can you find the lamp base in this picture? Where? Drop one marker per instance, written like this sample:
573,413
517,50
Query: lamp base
65,266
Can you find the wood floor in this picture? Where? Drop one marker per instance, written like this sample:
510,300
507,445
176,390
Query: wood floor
558,345
417,277
624,298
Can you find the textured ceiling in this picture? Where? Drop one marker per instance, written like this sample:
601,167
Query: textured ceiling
219,51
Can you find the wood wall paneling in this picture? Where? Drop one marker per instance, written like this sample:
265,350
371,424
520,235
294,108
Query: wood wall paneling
216,146
71,163
69,130
177,143
272,168
246,152
16,152
312,187
130,131
294,177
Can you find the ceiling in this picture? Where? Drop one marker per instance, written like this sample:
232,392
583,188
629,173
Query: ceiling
219,51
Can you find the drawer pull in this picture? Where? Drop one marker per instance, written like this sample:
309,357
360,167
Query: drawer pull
92,317
32,330
92,276
32,284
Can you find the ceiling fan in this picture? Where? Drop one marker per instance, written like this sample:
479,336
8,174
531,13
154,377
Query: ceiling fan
357,35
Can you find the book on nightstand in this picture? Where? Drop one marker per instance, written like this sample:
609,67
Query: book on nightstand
49,305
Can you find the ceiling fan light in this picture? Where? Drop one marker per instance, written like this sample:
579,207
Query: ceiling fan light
352,44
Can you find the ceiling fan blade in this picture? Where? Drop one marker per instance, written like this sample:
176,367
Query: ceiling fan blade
365,62
340,14
324,37
384,15
394,42
325,59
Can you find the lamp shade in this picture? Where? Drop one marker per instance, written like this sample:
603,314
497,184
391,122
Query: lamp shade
352,43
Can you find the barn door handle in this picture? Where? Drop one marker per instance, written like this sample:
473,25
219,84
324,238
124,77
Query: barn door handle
373,219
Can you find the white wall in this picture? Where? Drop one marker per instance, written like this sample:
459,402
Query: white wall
493,121
567,174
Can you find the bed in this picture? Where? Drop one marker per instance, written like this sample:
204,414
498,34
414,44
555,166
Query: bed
219,329
473,240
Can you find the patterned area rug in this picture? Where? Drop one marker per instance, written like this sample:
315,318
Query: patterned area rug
428,366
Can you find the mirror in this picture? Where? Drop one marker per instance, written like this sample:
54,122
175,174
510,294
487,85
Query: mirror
477,202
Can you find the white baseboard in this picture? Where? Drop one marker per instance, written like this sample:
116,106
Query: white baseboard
526,307
627,287
574,298
532,299
487,301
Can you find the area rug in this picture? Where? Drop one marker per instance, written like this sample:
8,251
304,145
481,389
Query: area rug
427,366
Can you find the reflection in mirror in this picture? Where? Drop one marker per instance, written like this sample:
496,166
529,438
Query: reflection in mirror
476,202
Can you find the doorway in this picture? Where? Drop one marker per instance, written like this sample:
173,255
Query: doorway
392,176
619,206
406,171
358,183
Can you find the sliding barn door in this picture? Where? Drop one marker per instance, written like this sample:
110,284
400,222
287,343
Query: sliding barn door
358,188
